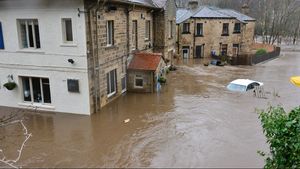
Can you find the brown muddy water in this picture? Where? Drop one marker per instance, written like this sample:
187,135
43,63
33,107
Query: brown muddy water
193,122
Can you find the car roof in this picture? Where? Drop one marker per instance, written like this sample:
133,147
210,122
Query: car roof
244,82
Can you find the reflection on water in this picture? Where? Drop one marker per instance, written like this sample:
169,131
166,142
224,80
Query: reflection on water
193,122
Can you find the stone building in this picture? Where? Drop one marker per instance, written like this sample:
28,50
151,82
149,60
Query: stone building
144,71
203,31
118,30
71,56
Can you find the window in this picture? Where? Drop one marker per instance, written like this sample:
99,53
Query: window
36,90
123,84
29,33
186,28
1,37
73,85
134,35
148,30
139,81
237,28
110,33
111,78
225,31
199,29
171,29
67,30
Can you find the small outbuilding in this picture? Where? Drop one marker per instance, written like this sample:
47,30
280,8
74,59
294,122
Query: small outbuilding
144,71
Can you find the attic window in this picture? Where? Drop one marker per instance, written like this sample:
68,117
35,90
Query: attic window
73,85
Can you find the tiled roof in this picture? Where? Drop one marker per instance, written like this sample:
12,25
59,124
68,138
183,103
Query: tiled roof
145,61
210,12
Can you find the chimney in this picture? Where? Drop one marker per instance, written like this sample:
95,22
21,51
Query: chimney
193,4
245,9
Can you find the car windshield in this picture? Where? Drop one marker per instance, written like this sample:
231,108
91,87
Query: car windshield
236,87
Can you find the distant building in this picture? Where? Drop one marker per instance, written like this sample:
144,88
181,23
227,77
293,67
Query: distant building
72,55
203,31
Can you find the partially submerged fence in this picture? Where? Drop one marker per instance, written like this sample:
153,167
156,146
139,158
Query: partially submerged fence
261,58
252,59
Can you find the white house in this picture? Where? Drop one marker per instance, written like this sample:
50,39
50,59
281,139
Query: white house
43,50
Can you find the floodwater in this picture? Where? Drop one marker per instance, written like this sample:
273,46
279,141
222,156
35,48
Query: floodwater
193,122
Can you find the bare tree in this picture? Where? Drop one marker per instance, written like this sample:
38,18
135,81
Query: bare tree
4,123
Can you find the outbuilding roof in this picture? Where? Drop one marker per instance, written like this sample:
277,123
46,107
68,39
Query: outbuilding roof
184,14
145,61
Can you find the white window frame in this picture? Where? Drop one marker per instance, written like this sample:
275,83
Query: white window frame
110,33
139,77
115,83
148,30
134,34
64,30
27,23
125,89
31,90
201,30
170,29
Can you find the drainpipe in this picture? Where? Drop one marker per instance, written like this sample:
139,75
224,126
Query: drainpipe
194,47
91,51
97,65
178,41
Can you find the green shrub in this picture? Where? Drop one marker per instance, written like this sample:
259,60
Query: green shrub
162,80
282,131
261,51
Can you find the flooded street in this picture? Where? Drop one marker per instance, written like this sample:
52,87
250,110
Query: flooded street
193,122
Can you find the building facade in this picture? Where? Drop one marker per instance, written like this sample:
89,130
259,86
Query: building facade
71,56
40,38
203,31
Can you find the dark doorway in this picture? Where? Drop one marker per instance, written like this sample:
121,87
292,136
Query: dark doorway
199,52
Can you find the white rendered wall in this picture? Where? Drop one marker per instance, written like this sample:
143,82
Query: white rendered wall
51,60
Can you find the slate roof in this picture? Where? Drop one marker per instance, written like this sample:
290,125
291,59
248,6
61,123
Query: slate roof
149,3
145,61
183,14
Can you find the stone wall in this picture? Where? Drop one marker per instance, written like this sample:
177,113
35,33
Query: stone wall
147,81
103,58
212,38
163,42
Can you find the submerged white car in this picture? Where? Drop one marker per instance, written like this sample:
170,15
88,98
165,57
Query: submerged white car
243,85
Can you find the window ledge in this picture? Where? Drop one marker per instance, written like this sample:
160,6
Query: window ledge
139,87
30,51
198,35
110,46
186,32
225,34
237,32
36,106
68,45
111,95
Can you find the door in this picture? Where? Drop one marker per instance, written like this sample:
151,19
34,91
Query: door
185,53
224,49
198,52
